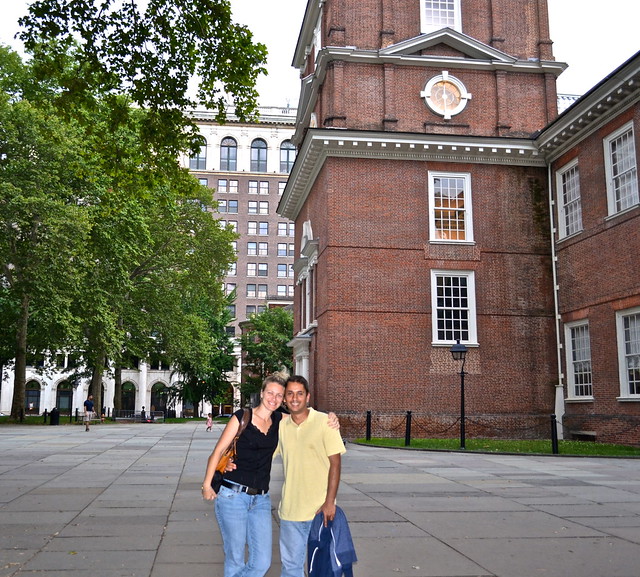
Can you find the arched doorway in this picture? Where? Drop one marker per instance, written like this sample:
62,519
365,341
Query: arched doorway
64,397
32,398
159,394
128,398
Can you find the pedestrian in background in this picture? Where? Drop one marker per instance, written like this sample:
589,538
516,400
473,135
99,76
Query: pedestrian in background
88,412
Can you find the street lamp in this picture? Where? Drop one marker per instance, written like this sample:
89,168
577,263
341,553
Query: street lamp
459,353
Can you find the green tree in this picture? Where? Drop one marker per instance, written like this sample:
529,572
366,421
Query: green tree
43,228
207,377
264,346
153,54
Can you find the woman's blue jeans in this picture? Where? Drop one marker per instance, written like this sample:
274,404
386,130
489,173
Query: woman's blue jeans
244,520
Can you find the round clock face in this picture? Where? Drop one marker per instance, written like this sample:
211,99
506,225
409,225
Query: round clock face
445,95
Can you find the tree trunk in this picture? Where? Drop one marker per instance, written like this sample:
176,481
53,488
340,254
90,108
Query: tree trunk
117,379
20,375
95,388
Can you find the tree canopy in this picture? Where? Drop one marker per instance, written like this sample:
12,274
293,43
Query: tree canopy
265,346
108,245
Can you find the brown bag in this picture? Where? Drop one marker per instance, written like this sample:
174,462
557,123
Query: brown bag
229,453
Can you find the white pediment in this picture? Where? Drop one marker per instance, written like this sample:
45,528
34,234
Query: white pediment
470,48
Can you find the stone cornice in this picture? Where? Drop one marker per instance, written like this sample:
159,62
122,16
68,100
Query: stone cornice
320,144
615,93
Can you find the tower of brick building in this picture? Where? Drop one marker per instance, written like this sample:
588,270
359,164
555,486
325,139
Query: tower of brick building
421,211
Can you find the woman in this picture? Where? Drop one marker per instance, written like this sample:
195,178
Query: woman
243,504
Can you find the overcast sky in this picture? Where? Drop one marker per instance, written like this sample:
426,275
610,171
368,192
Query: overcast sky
592,39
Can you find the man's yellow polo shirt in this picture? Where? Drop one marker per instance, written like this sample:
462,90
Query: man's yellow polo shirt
305,451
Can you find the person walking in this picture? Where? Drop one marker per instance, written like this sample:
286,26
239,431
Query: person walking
88,412
312,457
209,422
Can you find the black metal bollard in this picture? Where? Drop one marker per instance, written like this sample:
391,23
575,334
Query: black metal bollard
368,434
407,433
554,435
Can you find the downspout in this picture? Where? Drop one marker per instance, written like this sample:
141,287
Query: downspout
559,393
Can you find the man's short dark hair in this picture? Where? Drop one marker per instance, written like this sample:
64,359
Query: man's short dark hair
298,379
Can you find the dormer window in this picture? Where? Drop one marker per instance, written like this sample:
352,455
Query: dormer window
438,14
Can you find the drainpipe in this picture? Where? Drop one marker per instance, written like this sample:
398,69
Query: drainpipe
559,393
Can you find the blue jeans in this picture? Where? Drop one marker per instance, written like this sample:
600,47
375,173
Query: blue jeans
293,547
244,520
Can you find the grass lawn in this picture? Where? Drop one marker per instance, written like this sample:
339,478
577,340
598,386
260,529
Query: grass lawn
541,447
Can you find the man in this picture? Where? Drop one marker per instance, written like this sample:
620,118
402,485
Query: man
311,454
88,412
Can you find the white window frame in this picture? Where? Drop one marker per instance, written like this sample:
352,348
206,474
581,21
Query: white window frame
571,354
466,209
472,331
426,26
252,269
571,208
631,172
623,354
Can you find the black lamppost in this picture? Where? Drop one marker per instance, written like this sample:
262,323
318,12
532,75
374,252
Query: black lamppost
459,353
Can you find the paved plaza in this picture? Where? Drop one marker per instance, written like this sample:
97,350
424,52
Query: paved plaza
124,500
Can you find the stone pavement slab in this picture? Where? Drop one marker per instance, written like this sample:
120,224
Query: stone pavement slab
124,500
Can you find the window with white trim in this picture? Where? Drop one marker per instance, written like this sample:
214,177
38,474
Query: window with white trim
228,154
569,200
437,14
263,228
258,155
251,291
253,187
453,304
252,248
281,290
450,215
628,329
263,269
198,161
264,187
252,269
287,156
578,358
621,169
252,227
263,248
262,291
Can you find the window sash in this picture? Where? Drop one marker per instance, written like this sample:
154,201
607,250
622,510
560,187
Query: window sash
438,14
631,339
571,203
453,305
450,207
580,361
621,168
228,154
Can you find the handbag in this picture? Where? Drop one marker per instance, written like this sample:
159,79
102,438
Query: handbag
229,453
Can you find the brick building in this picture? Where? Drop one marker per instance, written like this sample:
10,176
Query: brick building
427,137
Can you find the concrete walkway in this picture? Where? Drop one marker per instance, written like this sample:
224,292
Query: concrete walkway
124,500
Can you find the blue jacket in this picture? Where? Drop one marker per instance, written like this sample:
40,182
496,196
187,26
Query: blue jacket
330,551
